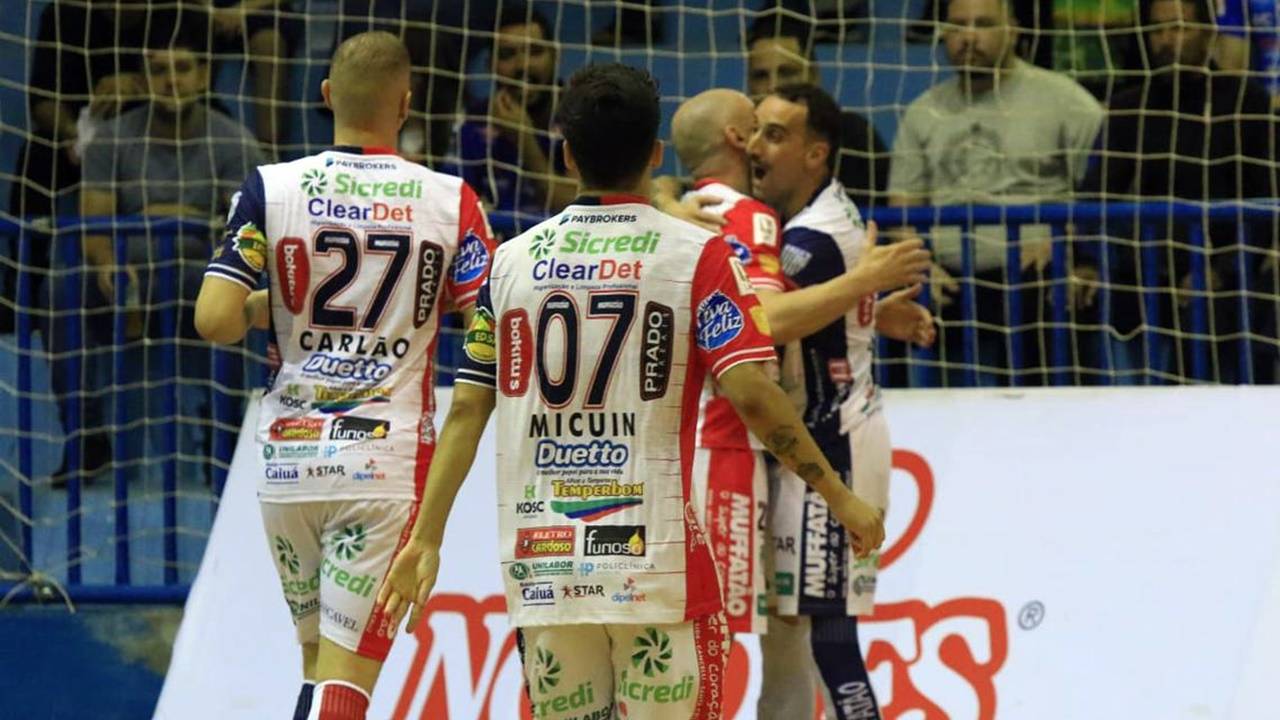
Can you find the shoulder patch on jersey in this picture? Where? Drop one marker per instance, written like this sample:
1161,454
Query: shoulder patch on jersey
252,246
740,276
740,250
769,263
765,228
719,321
794,259
479,342
472,259
761,319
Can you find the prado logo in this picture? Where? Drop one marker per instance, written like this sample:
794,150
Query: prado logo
655,350
542,244
348,542
293,266
286,556
719,321
314,182
427,281
617,540
472,259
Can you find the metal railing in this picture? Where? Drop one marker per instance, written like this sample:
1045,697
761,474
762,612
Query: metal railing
1112,227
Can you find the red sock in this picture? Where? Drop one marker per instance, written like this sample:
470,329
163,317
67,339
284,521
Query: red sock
338,700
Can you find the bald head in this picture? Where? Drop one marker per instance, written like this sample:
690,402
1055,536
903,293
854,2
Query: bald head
369,80
705,123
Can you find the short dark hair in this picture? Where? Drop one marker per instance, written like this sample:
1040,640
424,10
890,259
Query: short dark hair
181,27
823,117
519,13
1205,13
609,116
773,24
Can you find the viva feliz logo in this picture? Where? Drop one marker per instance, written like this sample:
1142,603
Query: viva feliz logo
464,670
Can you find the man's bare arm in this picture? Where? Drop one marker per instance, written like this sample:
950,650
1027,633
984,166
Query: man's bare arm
225,310
768,413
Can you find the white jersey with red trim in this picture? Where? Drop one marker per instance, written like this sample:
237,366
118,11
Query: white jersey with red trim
751,230
362,250
598,328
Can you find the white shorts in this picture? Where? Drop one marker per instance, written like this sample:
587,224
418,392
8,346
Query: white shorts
815,570
730,493
639,672
332,557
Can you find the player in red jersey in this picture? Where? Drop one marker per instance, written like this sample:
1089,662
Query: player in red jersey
593,340
363,251
710,132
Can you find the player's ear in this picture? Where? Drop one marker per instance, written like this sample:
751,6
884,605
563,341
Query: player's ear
818,152
325,91
655,156
404,107
570,163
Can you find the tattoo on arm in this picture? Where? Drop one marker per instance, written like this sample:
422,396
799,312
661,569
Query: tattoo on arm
782,441
809,472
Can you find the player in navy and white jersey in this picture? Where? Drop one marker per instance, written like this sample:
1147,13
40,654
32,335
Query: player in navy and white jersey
593,339
710,132
818,578
362,252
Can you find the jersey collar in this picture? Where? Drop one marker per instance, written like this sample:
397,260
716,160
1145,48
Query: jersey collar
610,199
699,184
363,150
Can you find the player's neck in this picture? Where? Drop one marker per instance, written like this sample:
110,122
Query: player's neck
805,193
735,175
641,187
360,137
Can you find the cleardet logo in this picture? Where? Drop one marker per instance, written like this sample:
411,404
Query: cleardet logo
928,650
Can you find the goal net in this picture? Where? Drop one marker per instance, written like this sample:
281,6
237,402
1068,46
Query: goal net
1076,245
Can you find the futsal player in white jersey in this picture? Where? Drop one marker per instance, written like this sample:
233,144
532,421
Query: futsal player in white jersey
820,583
593,339
362,252
710,132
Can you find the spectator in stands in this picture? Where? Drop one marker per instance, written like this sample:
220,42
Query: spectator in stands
506,149
780,51
258,30
1001,131
1249,40
173,157
1193,132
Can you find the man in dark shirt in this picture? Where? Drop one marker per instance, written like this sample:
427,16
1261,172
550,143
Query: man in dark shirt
1190,132
780,52
505,147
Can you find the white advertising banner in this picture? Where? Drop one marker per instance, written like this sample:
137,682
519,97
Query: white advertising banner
1073,553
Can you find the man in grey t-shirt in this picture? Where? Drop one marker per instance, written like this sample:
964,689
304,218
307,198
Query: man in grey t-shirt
1001,131
172,157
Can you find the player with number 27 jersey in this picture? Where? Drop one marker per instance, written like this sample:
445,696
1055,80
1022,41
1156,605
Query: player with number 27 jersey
363,251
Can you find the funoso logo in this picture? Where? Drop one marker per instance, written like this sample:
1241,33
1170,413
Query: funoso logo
931,661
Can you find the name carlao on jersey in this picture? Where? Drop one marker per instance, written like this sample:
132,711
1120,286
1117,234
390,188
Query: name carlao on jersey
597,330
362,251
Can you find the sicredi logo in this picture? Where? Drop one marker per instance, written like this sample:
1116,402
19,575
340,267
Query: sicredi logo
472,259
550,455
347,184
719,321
